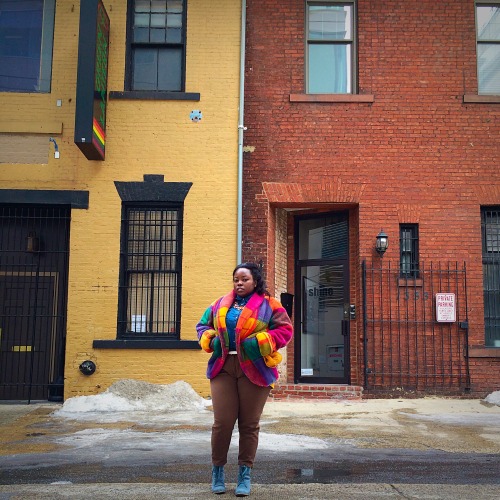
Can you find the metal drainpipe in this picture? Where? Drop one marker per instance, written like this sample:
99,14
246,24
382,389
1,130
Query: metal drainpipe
241,129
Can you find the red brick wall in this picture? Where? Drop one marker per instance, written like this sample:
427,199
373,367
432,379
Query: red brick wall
416,154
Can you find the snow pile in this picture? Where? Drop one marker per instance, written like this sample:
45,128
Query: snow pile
127,397
178,403
493,398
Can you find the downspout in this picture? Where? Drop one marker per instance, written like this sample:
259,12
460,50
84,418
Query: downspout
241,129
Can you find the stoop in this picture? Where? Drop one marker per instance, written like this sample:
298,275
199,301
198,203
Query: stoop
283,392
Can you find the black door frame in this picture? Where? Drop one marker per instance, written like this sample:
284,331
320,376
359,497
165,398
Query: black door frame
298,378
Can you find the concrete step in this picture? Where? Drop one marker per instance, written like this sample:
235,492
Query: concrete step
283,392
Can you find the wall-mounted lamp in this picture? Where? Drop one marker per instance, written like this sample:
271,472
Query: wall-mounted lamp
87,367
382,243
32,242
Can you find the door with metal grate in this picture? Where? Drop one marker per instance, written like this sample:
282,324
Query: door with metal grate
33,296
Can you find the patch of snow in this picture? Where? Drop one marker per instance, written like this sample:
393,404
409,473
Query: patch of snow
493,398
457,419
112,443
290,442
128,397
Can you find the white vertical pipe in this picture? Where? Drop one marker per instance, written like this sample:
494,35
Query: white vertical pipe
241,129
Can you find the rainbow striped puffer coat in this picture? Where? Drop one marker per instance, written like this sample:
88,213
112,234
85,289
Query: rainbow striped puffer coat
262,328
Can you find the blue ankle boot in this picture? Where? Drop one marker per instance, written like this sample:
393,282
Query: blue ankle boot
218,485
243,488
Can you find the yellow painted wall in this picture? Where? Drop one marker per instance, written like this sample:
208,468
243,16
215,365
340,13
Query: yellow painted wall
142,137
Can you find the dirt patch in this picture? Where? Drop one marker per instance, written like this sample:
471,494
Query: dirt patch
34,432
22,434
453,438
393,429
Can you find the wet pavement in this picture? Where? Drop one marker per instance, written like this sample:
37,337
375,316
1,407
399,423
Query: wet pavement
425,448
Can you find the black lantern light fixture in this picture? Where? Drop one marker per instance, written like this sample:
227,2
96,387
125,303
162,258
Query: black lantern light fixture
382,243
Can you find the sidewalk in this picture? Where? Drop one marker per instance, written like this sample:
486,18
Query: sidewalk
259,492
432,448
446,424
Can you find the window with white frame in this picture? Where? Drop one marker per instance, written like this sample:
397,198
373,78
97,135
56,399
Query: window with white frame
331,48
156,43
488,47
26,40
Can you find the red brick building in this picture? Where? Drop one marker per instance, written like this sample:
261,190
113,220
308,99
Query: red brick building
367,117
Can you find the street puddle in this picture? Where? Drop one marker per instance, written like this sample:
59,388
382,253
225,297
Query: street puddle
324,476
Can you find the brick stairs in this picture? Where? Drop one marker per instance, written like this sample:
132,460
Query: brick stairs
283,392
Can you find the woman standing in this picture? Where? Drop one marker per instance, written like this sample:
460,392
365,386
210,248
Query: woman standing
243,330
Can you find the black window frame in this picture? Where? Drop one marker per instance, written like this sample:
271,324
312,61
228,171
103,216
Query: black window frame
125,323
409,267
132,46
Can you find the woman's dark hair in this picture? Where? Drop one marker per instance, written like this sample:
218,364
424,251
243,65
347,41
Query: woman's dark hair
256,271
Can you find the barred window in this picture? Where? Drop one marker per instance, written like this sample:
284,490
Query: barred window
149,301
490,229
408,244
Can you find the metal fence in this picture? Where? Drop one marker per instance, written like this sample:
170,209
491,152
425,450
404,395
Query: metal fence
412,340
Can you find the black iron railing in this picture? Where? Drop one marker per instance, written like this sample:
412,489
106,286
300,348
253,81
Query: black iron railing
412,342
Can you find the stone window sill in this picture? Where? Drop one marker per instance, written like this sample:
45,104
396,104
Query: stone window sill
484,352
145,344
481,99
410,282
154,96
332,98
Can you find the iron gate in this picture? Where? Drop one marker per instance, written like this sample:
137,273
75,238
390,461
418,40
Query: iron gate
33,296
405,347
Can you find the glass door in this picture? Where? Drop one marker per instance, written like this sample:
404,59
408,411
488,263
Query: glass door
323,292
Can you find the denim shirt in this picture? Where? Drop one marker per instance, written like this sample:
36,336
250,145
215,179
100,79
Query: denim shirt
232,319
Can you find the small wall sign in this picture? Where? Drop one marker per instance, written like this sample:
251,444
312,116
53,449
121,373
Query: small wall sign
446,311
196,116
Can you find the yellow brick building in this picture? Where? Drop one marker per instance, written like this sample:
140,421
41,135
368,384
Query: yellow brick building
113,262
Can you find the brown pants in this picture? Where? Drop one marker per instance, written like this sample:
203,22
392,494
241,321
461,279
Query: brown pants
234,397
